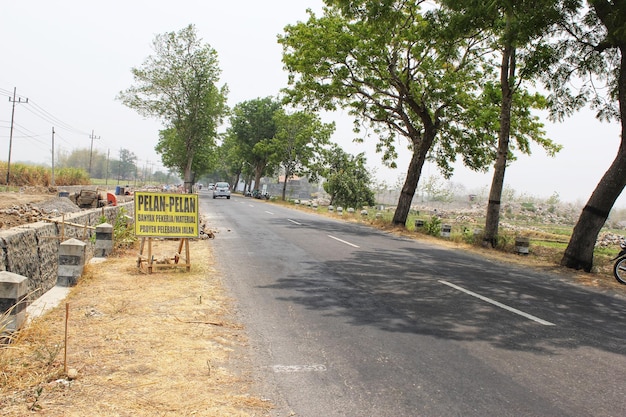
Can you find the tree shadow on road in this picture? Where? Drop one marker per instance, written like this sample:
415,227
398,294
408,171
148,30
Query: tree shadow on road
400,290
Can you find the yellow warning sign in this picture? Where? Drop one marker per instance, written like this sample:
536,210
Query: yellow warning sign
166,215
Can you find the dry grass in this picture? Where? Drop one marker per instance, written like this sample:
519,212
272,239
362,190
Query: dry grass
163,344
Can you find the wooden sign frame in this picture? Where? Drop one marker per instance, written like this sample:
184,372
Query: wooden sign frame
147,263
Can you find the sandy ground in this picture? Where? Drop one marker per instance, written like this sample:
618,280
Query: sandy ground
16,208
163,344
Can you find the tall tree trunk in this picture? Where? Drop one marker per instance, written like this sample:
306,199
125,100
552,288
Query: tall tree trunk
507,75
236,181
287,175
579,251
188,174
258,172
413,175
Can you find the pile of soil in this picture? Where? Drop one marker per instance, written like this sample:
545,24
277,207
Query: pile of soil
32,204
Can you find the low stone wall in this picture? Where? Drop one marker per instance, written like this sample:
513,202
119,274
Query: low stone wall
33,250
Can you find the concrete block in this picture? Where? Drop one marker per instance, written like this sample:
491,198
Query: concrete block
104,240
71,262
13,293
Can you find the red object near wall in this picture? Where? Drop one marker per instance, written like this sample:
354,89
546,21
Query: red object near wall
111,199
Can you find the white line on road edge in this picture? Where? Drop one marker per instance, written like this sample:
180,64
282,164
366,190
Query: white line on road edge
495,303
343,241
294,222
299,368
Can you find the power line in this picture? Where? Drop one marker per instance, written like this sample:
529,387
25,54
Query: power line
92,137
19,100
43,114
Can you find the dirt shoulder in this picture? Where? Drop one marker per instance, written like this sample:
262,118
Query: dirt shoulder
162,344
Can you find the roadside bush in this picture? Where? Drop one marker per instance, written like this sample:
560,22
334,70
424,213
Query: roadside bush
123,233
22,175
433,226
71,176
25,175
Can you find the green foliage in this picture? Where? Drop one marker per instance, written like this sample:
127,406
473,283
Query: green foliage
123,232
433,226
435,190
33,175
554,199
178,85
469,236
587,64
71,176
348,181
404,71
22,174
298,143
102,166
248,144
126,167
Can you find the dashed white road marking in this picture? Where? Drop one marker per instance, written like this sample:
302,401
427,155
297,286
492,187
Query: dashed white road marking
294,222
498,304
298,368
343,241
269,212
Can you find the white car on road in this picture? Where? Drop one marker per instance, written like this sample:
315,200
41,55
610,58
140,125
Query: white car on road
221,189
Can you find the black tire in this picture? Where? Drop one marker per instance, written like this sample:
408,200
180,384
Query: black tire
228,198
213,197
619,270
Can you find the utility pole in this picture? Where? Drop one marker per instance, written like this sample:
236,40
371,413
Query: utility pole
14,100
52,181
106,181
92,137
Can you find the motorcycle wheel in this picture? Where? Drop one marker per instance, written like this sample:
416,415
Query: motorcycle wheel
619,270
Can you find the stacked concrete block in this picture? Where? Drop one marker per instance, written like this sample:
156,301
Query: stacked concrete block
71,262
104,240
13,293
21,247
33,250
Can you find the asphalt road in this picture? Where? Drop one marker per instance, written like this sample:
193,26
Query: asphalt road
345,320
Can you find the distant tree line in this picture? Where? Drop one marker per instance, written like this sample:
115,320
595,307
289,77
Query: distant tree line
123,168
457,78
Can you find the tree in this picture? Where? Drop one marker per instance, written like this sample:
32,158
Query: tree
79,158
298,142
253,127
230,162
126,167
178,85
518,32
396,69
436,190
593,52
170,146
348,182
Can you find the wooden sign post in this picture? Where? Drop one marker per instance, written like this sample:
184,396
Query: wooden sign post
169,216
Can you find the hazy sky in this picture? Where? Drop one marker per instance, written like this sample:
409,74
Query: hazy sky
71,58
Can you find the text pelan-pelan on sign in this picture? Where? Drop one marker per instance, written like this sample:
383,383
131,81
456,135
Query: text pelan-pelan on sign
166,215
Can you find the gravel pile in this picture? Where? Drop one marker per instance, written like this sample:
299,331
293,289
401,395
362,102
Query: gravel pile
56,206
